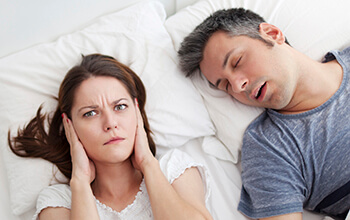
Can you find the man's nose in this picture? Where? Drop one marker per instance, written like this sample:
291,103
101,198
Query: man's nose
238,83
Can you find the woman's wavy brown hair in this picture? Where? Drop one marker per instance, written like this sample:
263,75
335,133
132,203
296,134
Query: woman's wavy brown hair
34,141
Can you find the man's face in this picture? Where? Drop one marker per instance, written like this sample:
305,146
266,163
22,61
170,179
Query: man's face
248,69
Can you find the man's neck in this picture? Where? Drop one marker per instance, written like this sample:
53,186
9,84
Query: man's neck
317,83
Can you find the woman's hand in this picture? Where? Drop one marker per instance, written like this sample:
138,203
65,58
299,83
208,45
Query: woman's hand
83,167
185,202
142,154
83,203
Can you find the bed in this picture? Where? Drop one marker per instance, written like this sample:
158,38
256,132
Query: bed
40,41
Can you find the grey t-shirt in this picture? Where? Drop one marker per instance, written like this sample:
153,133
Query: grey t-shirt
291,162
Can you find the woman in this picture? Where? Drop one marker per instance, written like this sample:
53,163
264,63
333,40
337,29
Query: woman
105,150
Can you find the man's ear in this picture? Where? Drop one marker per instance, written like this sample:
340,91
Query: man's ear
271,33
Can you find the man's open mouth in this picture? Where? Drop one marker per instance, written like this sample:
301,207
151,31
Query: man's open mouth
260,91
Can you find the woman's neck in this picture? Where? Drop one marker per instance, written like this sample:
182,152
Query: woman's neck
116,185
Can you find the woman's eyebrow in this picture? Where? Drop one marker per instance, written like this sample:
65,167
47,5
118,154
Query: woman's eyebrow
88,106
118,100
96,106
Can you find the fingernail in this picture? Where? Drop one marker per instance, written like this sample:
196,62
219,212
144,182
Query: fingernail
62,115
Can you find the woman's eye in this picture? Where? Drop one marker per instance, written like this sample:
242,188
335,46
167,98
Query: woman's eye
120,107
89,114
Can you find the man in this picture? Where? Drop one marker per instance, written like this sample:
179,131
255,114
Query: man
296,154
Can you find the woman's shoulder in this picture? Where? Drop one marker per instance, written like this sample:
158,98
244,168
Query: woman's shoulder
61,189
174,154
58,195
55,193
175,162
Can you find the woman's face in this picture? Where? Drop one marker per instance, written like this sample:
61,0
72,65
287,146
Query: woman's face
104,118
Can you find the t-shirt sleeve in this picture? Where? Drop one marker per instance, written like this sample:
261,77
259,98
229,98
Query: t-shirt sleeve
175,162
58,195
271,176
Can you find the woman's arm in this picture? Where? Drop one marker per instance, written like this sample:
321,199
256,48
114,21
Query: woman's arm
83,205
83,173
184,199
190,187
83,202
54,213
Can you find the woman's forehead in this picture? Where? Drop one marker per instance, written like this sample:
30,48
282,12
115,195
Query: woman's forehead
100,89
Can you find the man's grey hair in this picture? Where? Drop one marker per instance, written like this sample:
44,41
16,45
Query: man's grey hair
235,22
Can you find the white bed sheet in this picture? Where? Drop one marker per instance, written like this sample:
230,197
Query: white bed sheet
225,175
5,209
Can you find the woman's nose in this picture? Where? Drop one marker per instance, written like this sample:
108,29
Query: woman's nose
110,122
110,127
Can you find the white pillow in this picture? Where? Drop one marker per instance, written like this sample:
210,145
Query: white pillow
229,116
135,36
313,27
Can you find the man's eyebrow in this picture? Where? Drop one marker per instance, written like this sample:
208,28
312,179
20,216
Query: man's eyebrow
211,84
223,66
226,58
217,83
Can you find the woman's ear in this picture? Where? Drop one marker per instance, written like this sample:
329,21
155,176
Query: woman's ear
271,33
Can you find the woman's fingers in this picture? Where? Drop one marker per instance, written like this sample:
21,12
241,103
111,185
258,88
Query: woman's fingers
69,130
141,136
139,116
83,167
73,140
142,152
65,125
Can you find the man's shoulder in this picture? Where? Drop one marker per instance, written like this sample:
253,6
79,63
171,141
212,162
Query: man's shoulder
273,127
259,129
339,55
264,121
345,52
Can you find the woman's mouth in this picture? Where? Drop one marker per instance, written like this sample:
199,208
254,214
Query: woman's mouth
114,140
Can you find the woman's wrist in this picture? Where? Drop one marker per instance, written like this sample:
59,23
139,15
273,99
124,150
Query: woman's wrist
79,184
149,165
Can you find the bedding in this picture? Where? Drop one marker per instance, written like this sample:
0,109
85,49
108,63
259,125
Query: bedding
183,113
